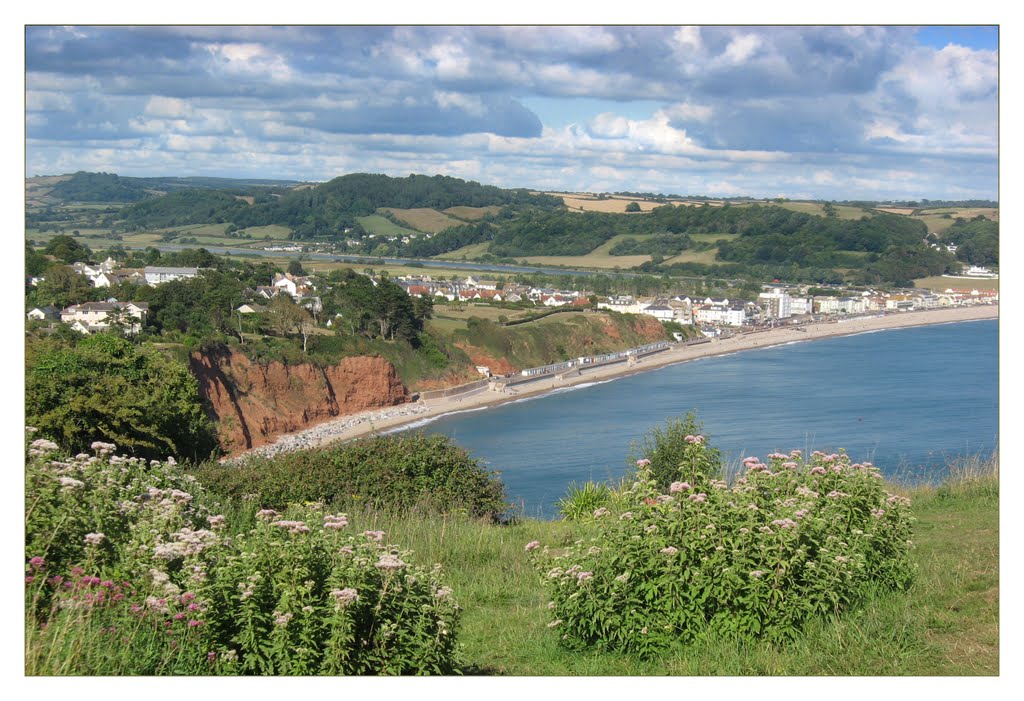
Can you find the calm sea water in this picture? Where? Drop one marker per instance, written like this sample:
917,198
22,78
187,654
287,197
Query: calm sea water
907,400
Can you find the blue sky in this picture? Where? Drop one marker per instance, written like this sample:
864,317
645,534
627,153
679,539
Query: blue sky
831,112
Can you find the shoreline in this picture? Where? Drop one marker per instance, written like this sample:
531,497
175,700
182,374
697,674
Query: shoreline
398,417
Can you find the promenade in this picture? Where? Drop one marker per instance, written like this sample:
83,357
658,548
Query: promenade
366,423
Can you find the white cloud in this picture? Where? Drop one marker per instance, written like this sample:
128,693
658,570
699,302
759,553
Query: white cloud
609,126
169,107
742,48
471,104
689,112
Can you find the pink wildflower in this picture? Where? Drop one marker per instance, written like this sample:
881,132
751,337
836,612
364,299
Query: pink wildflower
376,536
676,487
670,550
37,563
389,562
195,624
757,574
345,596
583,576
94,538
532,545
598,513
643,462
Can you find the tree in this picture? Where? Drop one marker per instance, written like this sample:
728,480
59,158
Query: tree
632,207
103,387
295,268
62,286
67,249
288,317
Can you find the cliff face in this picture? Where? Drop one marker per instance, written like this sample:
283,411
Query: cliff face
254,403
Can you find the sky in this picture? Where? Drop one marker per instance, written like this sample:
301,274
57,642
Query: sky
824,112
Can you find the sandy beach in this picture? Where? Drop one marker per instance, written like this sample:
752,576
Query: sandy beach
366,423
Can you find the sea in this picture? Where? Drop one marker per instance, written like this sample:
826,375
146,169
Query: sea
908,400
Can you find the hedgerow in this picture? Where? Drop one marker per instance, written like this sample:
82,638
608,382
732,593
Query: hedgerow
394,473
787,542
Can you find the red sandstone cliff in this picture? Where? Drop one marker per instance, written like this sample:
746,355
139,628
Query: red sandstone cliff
254,403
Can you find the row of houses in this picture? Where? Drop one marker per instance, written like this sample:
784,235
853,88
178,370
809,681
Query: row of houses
107,273
472,288
90,317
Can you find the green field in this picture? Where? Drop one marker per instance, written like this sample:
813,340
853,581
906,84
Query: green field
381,226
712,238
706,257
470,252
423,219
939,283
591,260
816,208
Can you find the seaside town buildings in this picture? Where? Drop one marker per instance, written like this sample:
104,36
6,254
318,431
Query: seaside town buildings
775,304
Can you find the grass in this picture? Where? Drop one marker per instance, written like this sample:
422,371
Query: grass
472,213
938,283
946,625
473,250
381,226
818,209
423,219
615,203
707,257
590,260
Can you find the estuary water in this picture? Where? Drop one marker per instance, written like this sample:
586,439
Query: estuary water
908,400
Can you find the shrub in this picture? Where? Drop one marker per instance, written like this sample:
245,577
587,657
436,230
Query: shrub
786,543
103,386
128,573
409,470
678,452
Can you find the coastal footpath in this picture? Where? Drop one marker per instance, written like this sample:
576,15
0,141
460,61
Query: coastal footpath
371,422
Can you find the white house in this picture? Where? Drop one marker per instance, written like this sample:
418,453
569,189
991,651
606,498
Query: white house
720,313
294,285
661,312
156,275
841,305
43,313
777,304
94,316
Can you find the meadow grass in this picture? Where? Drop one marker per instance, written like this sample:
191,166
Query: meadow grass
471,213
938,283
382,226
947,624
423,218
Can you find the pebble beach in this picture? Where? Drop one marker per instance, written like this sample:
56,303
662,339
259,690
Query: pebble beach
367,423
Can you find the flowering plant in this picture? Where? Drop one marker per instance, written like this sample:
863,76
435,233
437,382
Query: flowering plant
788,541
121,549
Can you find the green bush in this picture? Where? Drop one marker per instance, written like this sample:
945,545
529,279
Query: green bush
105,387
405,471
129,573
678,452
787,543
